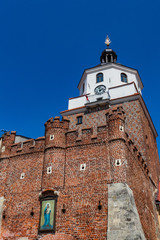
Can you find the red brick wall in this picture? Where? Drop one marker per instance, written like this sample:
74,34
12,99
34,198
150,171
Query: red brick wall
98,142
139,130
21,195
140,185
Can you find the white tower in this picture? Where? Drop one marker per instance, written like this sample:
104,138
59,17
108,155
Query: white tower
107,83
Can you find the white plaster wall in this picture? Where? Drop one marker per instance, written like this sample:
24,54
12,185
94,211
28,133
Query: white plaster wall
77,102
111,78
20,139
85,89
122,91
117,92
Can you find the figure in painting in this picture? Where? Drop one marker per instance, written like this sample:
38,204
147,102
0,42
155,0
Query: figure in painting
47,213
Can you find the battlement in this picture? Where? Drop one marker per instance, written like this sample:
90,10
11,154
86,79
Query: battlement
115,113
9,137
86,135
115,118
137,154
113,121
55,130
28,146
56,123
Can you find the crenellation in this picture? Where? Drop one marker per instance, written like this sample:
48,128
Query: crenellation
87,131
8,139
71,137
15,147
56,123
27,146
134,149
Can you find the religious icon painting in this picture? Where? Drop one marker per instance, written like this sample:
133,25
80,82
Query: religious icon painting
47,215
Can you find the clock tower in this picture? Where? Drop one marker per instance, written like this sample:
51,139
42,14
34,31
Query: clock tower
106,84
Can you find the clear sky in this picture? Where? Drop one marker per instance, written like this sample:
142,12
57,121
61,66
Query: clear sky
45,45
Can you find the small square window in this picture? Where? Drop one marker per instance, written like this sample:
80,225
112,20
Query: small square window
83,167
118,162
121,128
79,120
22,176
49,170
3,149
51,137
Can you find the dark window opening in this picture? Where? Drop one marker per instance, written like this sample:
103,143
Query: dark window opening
118,163
99,99
123,77
99,77
109,58
79,120
83,88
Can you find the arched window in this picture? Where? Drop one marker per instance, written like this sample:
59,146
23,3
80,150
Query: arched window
99,77
124,78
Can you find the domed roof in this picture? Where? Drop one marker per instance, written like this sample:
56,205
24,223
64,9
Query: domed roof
108,55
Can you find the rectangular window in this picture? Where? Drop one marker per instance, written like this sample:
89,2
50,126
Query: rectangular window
79,120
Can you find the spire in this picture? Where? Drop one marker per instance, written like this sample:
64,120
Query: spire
107,41
108,55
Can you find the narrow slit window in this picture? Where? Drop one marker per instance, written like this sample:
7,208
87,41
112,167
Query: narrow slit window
83,88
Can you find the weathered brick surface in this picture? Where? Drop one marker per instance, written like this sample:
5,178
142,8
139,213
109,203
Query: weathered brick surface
137,125
57,236
98,142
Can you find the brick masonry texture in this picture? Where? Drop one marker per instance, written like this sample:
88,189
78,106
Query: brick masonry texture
98,142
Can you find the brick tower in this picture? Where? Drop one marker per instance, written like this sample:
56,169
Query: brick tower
95,173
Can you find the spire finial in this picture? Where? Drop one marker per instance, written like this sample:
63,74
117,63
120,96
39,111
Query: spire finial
107,41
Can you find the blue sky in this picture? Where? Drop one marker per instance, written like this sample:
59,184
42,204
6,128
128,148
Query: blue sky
46,45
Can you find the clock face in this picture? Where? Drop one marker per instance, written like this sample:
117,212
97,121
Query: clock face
100,89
